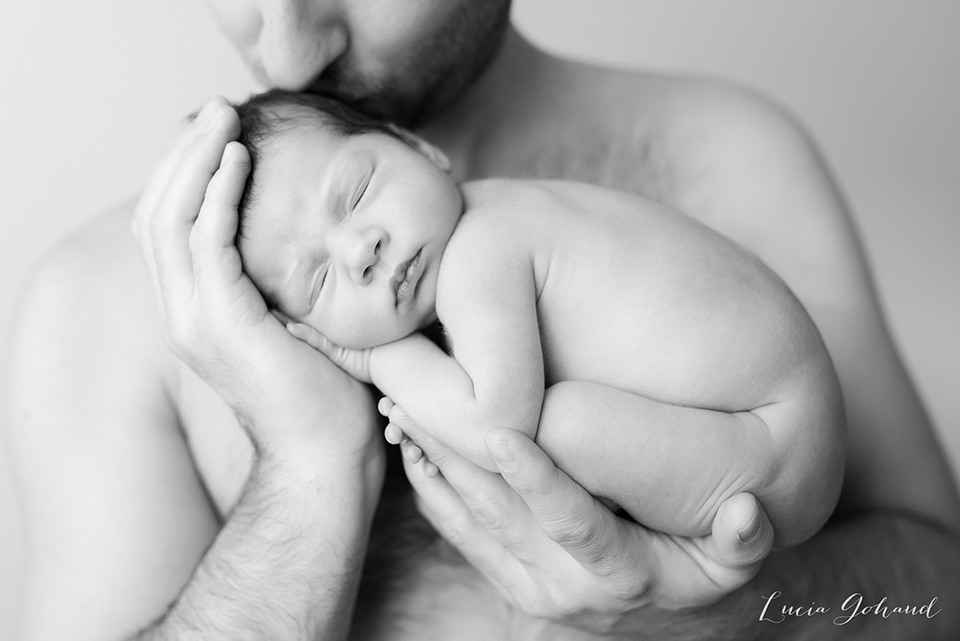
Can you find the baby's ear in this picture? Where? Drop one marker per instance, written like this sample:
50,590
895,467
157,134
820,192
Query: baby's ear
436,156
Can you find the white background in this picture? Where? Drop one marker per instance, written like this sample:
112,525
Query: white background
93,91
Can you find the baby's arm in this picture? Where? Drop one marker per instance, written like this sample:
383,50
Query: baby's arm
487,302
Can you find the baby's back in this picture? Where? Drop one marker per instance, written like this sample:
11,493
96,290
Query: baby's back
639,297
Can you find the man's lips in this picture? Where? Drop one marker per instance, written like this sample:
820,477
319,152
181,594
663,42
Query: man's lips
406,277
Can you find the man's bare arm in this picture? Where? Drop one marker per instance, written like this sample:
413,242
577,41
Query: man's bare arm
117,519
285,565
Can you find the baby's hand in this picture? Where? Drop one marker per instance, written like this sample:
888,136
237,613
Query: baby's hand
355,362
396,433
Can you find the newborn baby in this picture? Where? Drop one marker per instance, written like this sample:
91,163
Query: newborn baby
354,230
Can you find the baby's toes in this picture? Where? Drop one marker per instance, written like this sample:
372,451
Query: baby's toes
399,416
393,434
410,451
384,405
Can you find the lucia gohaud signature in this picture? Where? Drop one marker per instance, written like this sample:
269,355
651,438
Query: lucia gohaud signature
855,605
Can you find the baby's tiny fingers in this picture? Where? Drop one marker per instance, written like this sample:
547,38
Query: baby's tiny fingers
310,336
280,316
297,330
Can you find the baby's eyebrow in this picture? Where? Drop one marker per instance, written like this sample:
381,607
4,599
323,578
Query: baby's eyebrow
336,195
342,182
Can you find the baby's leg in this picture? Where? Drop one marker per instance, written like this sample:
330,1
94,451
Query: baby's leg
669,467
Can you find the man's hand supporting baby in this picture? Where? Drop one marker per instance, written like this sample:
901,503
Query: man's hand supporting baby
558,553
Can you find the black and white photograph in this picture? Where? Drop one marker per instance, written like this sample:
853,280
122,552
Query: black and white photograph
478,320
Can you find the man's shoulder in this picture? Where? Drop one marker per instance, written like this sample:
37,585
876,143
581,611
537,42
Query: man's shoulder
91,287
730,118
679,136
100,253
644,132
666,101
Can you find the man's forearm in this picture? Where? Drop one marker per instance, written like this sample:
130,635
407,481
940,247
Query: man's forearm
286,564
876,577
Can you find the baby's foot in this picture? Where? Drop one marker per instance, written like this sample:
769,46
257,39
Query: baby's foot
415,444
408,449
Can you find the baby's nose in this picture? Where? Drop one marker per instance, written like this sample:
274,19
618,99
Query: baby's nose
365,254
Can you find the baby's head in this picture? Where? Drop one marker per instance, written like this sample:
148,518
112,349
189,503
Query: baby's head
344,219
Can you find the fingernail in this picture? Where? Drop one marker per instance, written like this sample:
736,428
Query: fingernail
749,532
502,453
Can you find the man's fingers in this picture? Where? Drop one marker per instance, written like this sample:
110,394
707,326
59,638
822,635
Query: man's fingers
212,239
164,170
176,211
566,512
742,534
570,516
222,196
448,514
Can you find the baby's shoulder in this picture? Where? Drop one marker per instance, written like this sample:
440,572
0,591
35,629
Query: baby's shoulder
497,205
499,225
510,194
518,197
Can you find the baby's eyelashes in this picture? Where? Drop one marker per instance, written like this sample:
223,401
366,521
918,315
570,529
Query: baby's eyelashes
319,281
361,190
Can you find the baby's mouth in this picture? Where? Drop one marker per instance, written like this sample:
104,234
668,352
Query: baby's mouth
405,280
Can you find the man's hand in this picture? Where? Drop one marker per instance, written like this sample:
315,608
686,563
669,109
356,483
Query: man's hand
558,553
287,395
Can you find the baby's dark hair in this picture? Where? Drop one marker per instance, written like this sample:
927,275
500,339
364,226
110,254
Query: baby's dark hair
269,114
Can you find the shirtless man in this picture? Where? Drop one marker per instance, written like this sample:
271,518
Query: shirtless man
112,432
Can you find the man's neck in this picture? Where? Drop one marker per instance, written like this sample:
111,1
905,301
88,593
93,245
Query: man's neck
512,79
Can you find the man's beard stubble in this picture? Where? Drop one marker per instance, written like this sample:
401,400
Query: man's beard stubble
432,77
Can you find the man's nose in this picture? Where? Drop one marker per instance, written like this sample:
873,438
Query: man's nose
362,251
298,40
